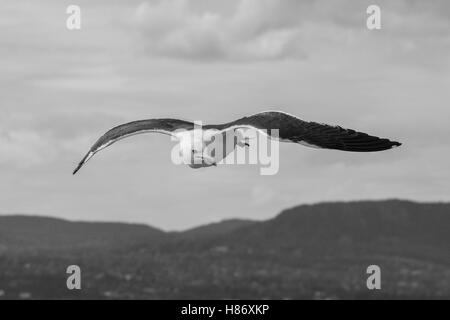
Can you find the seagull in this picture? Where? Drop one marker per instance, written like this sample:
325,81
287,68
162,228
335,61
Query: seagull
290,129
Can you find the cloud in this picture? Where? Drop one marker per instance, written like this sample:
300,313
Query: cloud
24,148
98,79
257,30
274,29
28,140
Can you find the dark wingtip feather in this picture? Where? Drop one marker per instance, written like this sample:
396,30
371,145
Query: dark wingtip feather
77,168
393,144
362,142
81,164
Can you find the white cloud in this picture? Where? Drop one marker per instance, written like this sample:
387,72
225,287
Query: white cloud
24,148
257,30
274,29
100,78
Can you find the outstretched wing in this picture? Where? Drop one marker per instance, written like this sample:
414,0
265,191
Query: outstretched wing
165,126
311,133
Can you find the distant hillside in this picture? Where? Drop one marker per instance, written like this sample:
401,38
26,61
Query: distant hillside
215,229
360,222
316,251
356,223
42,232
366,226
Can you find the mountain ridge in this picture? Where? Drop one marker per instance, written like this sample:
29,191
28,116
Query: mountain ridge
318,251
364,219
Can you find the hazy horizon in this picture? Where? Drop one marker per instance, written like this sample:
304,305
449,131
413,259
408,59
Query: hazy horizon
216,61
31,215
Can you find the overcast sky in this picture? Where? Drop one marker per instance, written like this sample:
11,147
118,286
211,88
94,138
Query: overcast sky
215,61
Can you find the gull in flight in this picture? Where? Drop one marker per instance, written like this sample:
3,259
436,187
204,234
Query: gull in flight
290,129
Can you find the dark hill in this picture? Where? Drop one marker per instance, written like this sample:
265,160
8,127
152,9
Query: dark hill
51,233
215,229
310,251
360,222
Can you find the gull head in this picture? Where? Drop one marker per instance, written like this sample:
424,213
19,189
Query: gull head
201,160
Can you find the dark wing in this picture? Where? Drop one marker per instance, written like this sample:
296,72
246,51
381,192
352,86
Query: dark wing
313,134
166,126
